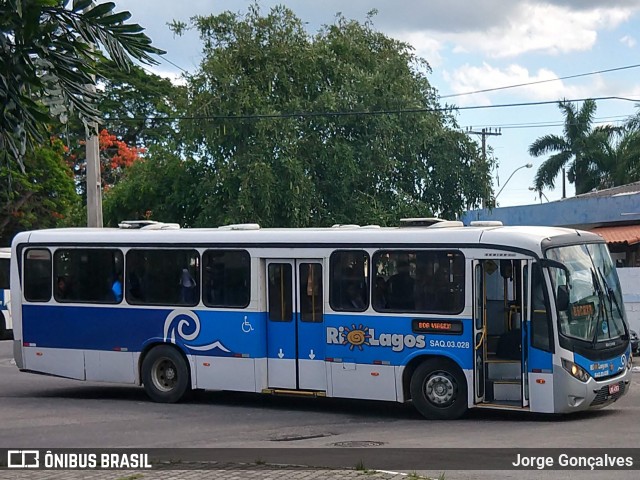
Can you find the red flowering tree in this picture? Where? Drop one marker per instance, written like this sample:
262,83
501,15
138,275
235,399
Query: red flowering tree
115,157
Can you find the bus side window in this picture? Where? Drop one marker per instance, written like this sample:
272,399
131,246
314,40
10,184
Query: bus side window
37,275
226,278
349,281
162,277
280,292
4,274
88,275
418,281
540,319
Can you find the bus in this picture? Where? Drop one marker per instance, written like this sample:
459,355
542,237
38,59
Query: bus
5,298
445,316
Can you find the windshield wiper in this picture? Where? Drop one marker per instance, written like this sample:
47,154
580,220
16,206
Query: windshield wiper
611,294
602,309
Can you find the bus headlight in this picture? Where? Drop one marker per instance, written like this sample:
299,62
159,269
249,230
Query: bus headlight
576,371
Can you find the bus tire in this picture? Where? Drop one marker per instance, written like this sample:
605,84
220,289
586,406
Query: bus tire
165,374
3,327
439,389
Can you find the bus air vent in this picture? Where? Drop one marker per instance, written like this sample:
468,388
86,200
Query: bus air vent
345,225
419,222
147,225
447,224
240,226
486,223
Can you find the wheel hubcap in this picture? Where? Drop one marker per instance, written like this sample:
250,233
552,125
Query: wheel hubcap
164,375
440,389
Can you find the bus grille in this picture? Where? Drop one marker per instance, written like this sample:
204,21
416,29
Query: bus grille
602,395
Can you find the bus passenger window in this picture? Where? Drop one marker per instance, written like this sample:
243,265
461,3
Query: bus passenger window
226,278
418,281
88,275
37,275
4,274
311,299
163,277
349,281
540,319
280,292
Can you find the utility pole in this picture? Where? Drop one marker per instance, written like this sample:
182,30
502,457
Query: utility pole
484,133
94,178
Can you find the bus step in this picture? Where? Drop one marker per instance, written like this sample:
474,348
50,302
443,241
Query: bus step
297,393
507,405
504,370
506,391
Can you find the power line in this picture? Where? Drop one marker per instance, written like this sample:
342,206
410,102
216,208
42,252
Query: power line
536,82
554,123
364,113
165,59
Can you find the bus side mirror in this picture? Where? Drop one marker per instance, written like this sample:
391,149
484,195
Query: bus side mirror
562,298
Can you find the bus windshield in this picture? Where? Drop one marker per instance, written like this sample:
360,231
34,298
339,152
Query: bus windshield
595,313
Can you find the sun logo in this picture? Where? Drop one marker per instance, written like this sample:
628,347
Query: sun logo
356,336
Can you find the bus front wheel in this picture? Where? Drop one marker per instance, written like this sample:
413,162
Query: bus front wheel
439,390
165,374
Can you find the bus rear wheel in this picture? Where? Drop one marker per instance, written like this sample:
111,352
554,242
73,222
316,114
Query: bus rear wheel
165,375
439,390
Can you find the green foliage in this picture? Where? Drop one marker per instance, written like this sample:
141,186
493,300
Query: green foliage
41,197
163,187
596,158
289,129
134,103
47,59
577,149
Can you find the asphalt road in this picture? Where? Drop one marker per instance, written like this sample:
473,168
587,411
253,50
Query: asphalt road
47,412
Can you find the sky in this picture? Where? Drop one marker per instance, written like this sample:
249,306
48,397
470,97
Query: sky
471,46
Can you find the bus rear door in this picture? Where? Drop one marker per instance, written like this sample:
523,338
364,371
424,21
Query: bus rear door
295,325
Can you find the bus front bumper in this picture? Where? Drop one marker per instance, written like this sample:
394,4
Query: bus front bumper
572,395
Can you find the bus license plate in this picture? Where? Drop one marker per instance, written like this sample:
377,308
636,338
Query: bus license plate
615,388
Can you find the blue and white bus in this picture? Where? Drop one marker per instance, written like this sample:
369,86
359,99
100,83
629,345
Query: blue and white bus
445,316
5,298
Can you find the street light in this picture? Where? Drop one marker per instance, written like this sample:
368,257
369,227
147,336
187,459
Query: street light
528,165
533,189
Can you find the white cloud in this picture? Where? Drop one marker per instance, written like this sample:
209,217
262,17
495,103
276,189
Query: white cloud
175,77
470,78
425,45
542,28
628,41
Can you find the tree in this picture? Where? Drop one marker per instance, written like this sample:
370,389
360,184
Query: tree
578,148
41,196
137,110
160,187
48,57
618,162
341,127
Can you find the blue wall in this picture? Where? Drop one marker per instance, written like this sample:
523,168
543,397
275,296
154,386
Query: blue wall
576,211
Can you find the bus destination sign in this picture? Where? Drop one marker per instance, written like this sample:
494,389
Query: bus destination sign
453,327
582,309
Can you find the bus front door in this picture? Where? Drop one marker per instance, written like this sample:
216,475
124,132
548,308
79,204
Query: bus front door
295,330
479,332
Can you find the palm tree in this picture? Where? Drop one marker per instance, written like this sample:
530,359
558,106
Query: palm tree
577,149
48,53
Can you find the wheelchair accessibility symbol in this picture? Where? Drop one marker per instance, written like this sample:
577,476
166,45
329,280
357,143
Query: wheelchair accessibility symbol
246,325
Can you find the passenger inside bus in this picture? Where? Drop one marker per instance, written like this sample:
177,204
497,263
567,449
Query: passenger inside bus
354,296
380,294
400,288
62,291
